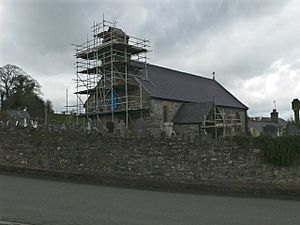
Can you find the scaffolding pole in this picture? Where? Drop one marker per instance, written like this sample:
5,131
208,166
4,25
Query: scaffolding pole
109,60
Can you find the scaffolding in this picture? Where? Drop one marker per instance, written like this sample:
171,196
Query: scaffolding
221,123
107,66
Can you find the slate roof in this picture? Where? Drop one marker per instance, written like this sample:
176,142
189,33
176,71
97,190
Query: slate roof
170,84
266,121
17,114
192,113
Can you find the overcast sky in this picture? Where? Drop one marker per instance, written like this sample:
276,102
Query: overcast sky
252,45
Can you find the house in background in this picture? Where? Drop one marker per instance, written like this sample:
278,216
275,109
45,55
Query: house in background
271,126
117,88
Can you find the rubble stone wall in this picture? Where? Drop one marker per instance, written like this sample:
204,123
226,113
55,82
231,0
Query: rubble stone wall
155,159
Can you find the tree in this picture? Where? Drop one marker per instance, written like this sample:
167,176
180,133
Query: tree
34,103
7,77
19,90
25,84
1,99
49,106
8,73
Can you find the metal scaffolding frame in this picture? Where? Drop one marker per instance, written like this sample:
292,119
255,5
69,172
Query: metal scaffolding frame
215,120
107,65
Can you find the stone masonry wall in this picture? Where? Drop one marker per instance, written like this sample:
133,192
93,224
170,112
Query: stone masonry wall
156,121
241,112
163,159
187,130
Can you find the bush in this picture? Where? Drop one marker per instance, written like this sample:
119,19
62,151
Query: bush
244,142
280,151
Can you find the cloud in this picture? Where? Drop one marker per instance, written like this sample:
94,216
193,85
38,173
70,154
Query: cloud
195,27
236,43
280,83
247,43
58,94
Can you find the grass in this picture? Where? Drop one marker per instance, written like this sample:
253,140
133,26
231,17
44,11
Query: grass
68,119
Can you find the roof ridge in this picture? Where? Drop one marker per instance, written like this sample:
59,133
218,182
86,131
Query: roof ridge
178,71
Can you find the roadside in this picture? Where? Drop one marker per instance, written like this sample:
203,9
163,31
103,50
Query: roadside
2,222
255,190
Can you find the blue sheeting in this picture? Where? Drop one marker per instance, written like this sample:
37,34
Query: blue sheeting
114,103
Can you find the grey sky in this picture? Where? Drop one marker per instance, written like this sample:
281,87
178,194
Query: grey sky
253,46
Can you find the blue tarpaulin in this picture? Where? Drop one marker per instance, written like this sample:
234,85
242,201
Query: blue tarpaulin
114,100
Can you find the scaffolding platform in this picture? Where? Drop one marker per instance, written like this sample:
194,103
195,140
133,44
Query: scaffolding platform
106,67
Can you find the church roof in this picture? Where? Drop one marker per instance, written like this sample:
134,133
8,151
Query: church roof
171,84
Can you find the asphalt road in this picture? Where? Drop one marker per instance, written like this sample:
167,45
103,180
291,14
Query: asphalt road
50,202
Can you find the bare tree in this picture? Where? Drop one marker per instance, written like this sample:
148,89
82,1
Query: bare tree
25,84
49,106
8,75
19,90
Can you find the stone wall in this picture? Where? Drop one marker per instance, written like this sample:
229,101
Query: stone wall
153,114
156,121
188,130
157,124
241,112
164,159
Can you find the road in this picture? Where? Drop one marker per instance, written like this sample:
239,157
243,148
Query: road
52,202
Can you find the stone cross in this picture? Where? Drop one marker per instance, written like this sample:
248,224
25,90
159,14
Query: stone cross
296,108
